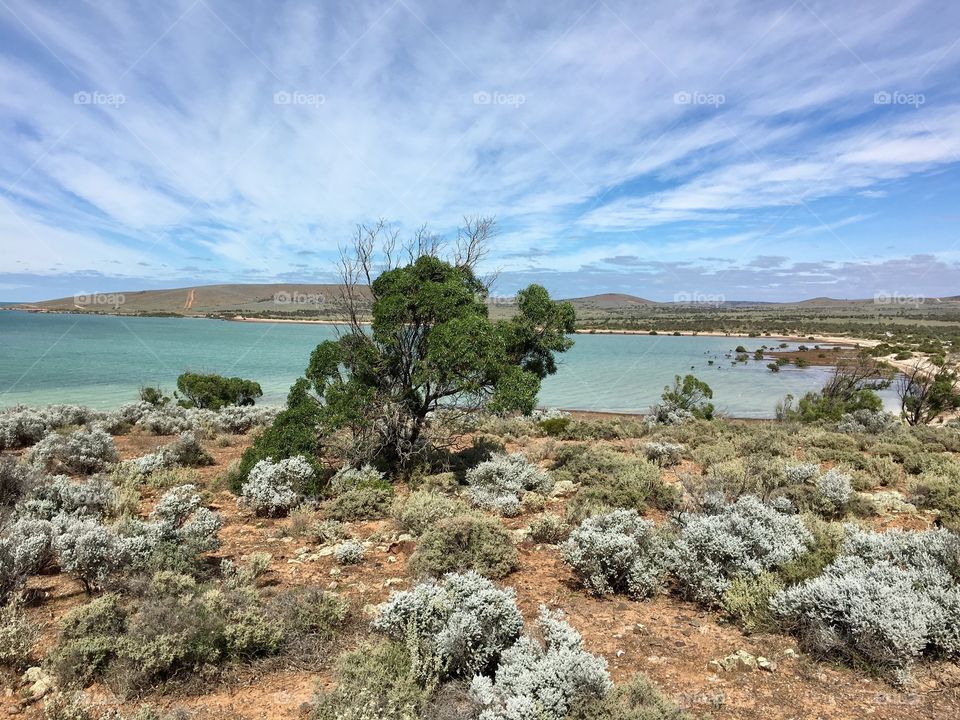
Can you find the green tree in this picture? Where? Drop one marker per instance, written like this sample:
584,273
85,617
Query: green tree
690,394
431,348
215,391
926,393
852,386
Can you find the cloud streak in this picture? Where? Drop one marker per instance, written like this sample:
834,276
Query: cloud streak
254,135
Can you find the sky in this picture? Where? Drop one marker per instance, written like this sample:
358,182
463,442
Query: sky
698,150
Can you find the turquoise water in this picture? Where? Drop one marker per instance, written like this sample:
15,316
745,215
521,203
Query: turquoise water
101,361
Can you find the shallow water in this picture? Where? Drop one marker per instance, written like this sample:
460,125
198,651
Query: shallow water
102,361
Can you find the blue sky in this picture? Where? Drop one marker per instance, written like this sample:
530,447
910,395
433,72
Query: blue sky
750,150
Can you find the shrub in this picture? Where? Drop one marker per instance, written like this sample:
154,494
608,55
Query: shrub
541,682
351,478
16,481
888,598
86,450
215,391
872,422
88,640
747,601
177,531
185,451
463,620
635,700
326,531
617,553
24,550
22,426
742,540
555,426
61,496
422,510
549,529
273,488
834,491
614,480
180,627
802,473
88,550
663,454
17,635
687,399
465,542
294,431
940,494
368,503
497,483
349,552
375,682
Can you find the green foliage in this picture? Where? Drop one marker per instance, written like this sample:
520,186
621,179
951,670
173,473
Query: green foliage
375,682
180,627
932,492
612,480
422,510
293,432
690,394
431,346
747,601
555,427
153,396
361,504
634,700
214,392
17,635
465,542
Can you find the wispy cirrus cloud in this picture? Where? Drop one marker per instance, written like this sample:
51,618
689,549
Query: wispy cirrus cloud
143,138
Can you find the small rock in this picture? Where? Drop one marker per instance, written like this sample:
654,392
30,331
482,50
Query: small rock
620,653
390,582
335,572
405,537
765,664
789,652
562,488
391,558
324,552
40,683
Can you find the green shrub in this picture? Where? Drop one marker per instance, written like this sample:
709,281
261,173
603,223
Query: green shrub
747,601
628,492
421,510
554,427
932,492
178,628
634,700
17,635
214,392
376,682
293,432
549,529
465,542
365,503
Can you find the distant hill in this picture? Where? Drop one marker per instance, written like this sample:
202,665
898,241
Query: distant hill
304,300
274,299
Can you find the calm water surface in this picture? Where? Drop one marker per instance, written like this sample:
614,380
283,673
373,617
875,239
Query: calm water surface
101,361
